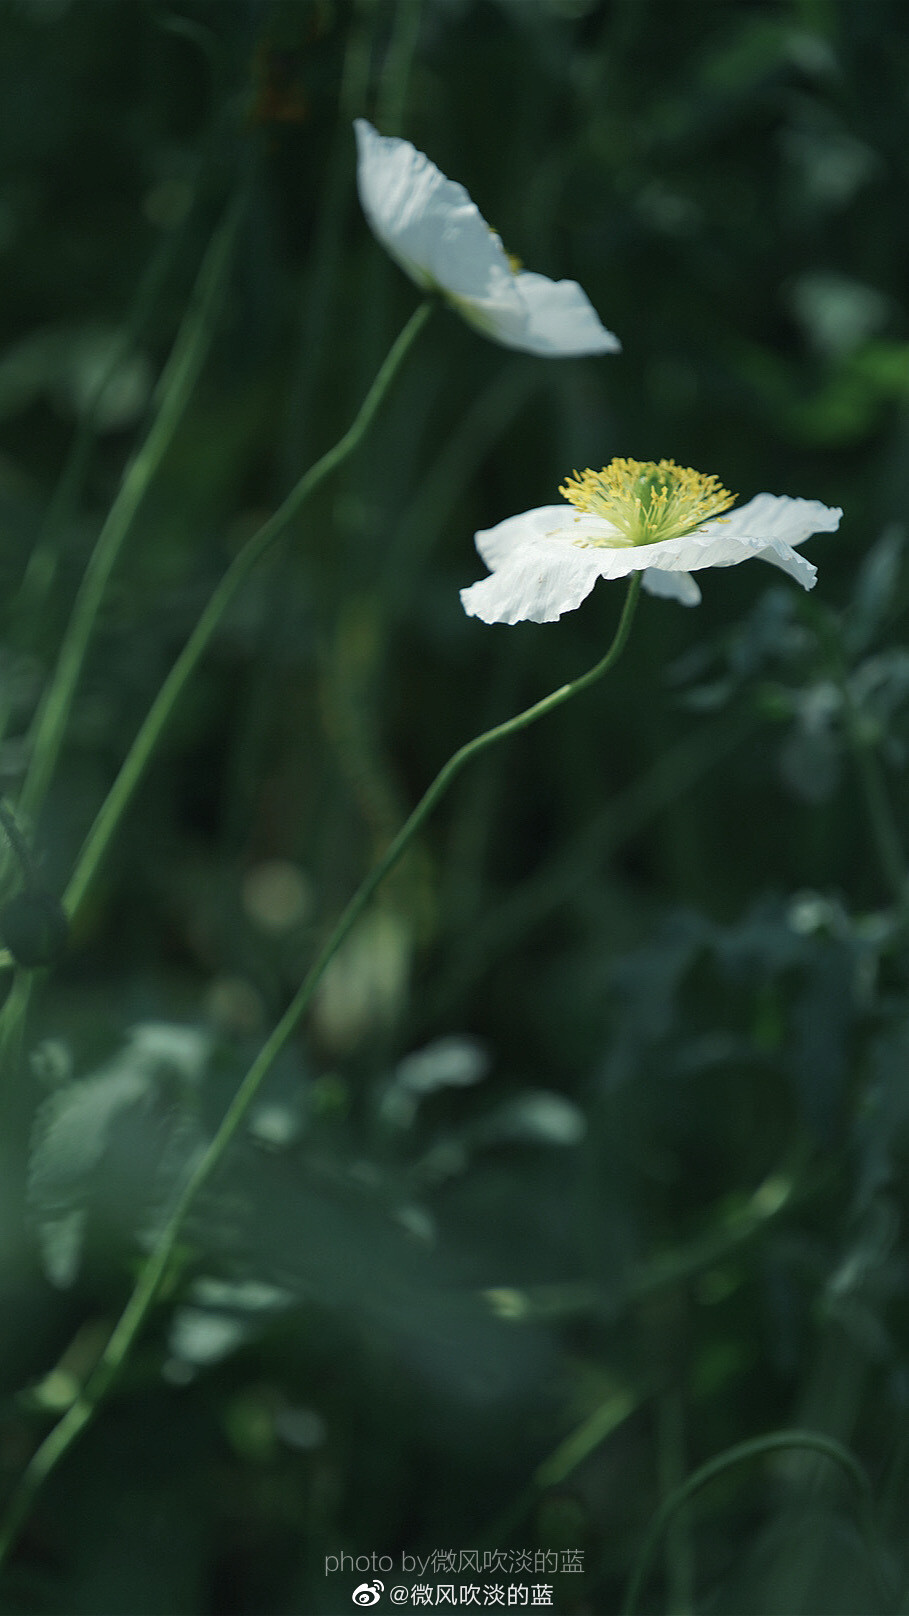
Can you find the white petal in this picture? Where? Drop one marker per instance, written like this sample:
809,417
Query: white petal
536,585
715,546
779,518
556,319
678,586
541,566
438,236
789,561
771,524
496,544
428,223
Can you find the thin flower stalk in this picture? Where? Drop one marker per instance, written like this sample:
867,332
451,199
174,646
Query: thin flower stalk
66,1431
139,754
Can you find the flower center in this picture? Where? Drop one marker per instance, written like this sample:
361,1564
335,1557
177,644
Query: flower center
648,500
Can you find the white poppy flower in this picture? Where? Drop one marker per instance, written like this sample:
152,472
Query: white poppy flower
440,239
635,516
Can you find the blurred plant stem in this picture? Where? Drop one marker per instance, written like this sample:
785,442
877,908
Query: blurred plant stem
60,1439
41,571
479,939
172,396
12,1021
134,764
863,745
732,1226
735,1225
324,278
670,1416
877,801
743,1453
609,1415
314,368
393,86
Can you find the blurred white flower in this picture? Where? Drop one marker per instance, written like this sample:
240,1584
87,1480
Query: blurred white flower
438,236
635,516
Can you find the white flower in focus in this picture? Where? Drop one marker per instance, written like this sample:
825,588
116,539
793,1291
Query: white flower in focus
440,239
635,516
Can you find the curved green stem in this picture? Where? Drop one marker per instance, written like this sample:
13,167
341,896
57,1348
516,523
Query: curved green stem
742,1453
133,767
60,1439
157,716
44,1461
176,384
134,764
883,821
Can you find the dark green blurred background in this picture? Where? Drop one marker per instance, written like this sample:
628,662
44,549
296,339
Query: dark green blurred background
646,1181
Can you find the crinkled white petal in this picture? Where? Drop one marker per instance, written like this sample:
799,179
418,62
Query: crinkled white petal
777,517
496,544
678,586
428,223
437,235
543,562
556,319
535,585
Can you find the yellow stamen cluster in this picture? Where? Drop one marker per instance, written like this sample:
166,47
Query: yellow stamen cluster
648,500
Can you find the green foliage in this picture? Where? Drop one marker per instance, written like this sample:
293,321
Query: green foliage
589,1164
111,1135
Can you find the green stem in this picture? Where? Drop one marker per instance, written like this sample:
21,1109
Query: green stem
12,1021
742,1453
871,777
59,1440
679,1556
392,98
43,562
134,764
43,1462
880,811
18,844
172,394
131,770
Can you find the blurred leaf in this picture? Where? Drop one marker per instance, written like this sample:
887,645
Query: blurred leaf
881,1126
220,1317
108,1125
837,313
445,1063
875,588
538,1116
85,371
